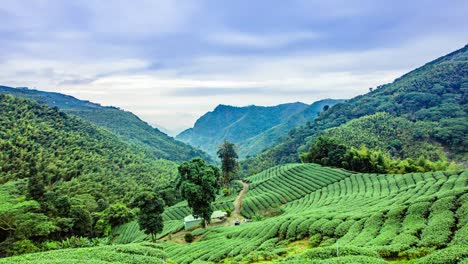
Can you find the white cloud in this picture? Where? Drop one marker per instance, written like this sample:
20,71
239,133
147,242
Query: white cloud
260,80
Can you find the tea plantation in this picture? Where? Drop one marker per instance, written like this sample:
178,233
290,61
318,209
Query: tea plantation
340,216
132,253
346,218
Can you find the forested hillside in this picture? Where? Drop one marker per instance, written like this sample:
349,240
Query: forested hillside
252,128
59,174
432,97
124,124
258,143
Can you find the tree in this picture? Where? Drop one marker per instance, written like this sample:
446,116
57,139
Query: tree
229,165
326,151
150,215
198,184
325,108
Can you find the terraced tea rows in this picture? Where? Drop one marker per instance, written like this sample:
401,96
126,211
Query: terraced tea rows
283,184
371,216
135,253
355,218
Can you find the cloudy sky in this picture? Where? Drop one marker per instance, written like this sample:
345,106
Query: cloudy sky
170,61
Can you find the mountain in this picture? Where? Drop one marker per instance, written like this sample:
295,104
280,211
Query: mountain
258,143
435,94
58,173
124,124
252,128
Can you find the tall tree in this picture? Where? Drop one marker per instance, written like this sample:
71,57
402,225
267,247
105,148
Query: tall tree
198,184
150,215
228,155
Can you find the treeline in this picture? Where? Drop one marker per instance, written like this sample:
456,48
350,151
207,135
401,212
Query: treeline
63,177
331,152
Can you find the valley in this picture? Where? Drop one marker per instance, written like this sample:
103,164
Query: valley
301,145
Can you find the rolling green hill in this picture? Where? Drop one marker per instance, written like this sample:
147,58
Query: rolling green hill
435,93
402,137
332,216
370,219
126,125
252,128
58,173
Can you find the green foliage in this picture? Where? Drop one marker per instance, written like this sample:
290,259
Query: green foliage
150,215
279,185
126,125
20,219
358,217
134,253
198,184
229,166
330,152
188,237
22,247
398,136
118,214
454,254
432,96
57,173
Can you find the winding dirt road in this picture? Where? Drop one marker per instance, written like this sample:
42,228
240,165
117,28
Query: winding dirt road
238,201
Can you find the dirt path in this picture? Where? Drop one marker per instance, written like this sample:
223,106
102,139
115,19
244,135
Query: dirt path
236,215
238,201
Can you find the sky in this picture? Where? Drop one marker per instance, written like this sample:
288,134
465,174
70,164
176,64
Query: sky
171,61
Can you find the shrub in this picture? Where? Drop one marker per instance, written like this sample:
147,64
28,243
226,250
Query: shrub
315,240
331,252
188,237
22,247
454,254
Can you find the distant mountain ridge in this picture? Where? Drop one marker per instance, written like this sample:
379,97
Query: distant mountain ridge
252,128
435,95
122,123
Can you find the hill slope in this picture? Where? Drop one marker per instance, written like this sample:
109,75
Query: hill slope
436,92
124,124
57,170
252,128
258,143
369,218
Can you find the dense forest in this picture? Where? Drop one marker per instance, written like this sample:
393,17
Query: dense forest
62,176
433,97
122,123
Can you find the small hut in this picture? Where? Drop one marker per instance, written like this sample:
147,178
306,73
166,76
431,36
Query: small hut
191,222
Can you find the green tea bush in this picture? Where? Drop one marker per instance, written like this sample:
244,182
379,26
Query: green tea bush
453,254
331,252
315,240
441,221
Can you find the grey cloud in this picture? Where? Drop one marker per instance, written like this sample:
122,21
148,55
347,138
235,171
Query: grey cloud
79,81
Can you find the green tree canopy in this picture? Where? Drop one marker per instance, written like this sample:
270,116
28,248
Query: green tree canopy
229,165
150,215
198,184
